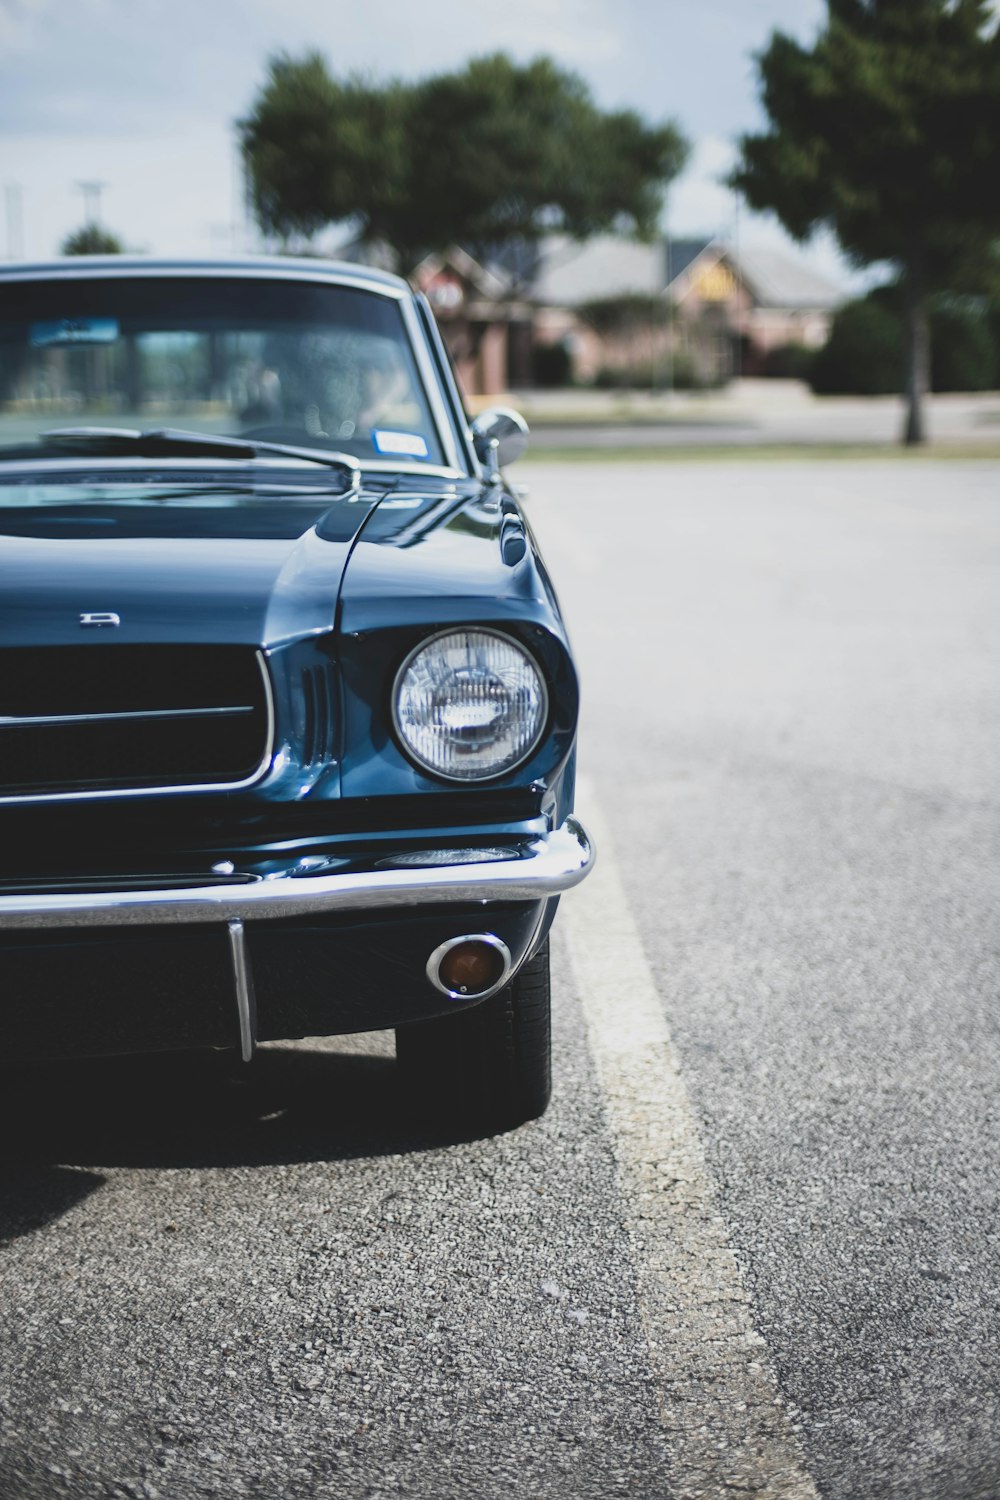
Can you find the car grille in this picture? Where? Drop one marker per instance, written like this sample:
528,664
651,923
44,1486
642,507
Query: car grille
128,718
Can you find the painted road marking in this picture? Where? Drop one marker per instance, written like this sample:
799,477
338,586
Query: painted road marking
719,1399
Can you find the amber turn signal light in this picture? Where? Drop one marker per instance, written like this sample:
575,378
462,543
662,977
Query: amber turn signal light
469,967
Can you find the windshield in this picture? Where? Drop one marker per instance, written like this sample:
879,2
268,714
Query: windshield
318,365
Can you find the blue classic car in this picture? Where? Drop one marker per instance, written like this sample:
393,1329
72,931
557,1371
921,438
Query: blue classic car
287,709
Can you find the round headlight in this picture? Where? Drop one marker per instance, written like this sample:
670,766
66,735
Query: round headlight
469,704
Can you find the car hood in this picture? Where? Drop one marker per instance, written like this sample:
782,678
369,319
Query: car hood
219,566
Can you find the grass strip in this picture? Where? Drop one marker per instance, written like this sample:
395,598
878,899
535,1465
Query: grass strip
769,453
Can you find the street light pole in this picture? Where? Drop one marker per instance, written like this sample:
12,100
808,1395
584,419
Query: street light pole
668,296
737,345
91,200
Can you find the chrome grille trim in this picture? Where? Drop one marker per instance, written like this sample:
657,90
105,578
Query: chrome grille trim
9,721
172,790
317,717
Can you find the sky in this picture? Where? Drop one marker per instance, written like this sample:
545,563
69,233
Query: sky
140,96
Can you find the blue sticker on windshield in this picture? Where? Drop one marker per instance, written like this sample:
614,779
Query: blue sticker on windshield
401,444
73,331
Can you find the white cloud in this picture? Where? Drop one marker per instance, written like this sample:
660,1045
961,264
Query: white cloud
579,33
17,18
442,33
699,202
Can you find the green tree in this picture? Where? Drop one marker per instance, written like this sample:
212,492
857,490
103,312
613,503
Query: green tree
91,239
495,153
318,151
887,131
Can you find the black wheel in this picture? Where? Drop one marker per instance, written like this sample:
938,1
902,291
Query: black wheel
488,1067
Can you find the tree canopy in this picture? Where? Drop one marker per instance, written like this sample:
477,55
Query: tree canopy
495,153
91,239
887,131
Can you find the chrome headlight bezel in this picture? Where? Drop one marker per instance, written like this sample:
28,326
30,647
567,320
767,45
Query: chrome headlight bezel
427,766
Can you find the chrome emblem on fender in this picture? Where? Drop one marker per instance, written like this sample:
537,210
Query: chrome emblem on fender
101,619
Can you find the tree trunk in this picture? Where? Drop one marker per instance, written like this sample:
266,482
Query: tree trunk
918,354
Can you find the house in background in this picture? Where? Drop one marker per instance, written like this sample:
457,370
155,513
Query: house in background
692,311
725,307
488,329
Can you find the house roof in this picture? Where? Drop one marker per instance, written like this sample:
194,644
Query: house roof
780,281
490,283
680,254
571,272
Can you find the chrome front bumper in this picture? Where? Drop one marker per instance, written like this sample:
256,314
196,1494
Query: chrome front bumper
530,870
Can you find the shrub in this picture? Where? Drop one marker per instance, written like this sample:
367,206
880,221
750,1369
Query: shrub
628,313
683,375
613,378
551,366
788,362
963,350
687,376
863,355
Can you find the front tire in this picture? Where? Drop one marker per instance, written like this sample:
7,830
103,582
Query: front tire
488,1067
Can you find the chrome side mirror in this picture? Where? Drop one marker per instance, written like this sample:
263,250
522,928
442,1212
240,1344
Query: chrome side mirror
499,436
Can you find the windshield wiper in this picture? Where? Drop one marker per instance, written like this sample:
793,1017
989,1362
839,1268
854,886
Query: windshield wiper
175,442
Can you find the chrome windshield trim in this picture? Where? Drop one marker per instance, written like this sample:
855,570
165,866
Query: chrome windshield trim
11,721
116,793
425,364
546,866
432,333
435,471
89,465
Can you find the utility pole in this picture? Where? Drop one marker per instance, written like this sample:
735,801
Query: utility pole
737,343
14,209
654,301
240,196
91,200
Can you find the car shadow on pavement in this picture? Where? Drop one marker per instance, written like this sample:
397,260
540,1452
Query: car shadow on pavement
290,1105
33,1195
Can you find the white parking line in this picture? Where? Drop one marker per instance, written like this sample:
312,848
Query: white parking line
719,1399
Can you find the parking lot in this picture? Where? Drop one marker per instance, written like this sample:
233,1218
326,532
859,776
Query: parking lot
753,1245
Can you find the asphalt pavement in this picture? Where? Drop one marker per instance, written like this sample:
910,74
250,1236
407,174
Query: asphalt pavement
792,723
753,1247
